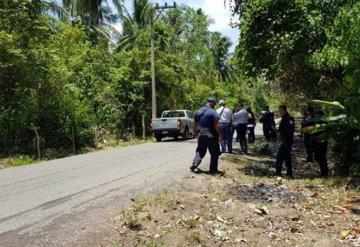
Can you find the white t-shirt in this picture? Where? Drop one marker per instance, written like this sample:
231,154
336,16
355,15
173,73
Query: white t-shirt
226,115
241,117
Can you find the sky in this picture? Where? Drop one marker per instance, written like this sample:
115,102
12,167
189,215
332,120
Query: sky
220,13
215,9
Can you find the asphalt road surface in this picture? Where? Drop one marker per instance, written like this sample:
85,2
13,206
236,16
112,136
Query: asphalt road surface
64,202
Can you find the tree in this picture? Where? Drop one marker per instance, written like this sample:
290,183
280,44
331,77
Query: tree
279,37
134,23
219,45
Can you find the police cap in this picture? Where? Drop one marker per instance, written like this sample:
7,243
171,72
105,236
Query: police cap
211,100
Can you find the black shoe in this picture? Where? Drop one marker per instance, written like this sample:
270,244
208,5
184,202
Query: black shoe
193,167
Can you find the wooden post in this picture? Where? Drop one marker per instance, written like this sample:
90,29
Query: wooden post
37,140
73,138
143,127
153,83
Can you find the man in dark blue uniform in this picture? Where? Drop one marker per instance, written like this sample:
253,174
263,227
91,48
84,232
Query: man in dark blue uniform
268,121
286,129
208,134
309,145
319,146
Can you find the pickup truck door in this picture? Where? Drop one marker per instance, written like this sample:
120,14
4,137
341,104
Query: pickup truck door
190,119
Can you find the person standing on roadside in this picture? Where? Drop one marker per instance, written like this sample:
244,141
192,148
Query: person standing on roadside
309,121
268,121
237,109
241,119
251,126
286,130
207,131
226,121
319,146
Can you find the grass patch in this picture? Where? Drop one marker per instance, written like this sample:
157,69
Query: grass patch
51,153
134,224
258,143
19,160
239,161
194,238
190,223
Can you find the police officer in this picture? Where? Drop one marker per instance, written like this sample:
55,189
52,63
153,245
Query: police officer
309,145
207,131
268,121
286,130
226,119
320,147
251,126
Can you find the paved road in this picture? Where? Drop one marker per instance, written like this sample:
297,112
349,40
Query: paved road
65,202
53,203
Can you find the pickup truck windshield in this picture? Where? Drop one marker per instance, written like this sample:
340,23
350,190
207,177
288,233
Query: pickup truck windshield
173,114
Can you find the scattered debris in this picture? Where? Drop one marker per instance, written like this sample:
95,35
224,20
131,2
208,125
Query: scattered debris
240,240
267,193
279,180
339,210
355,211
262,211
273,235
350,234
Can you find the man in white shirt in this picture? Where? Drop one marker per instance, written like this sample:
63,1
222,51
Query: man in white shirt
241,119
226,121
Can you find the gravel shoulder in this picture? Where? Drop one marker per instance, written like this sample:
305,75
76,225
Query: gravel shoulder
243,210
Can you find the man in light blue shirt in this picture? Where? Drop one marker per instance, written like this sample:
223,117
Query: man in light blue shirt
241,119
226,121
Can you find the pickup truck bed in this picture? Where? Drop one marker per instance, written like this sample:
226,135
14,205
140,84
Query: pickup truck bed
173,124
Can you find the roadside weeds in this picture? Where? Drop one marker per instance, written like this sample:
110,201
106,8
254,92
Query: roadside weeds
242,209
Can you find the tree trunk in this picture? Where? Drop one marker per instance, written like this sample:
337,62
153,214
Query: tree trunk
37,141
73,138
143,127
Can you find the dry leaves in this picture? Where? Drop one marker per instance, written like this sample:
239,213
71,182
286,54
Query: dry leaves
350,234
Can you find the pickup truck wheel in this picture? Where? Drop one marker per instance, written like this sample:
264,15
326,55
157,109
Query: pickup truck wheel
186,133
158,138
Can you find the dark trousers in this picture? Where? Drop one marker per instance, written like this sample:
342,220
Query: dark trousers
206,143
284,154
320,149
251,134
227,137
309,148
241,131
269,132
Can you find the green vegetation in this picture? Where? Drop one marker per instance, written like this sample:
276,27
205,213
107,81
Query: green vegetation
308,49
59,74
69,81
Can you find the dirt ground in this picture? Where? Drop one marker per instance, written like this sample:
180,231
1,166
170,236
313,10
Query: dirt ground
245,207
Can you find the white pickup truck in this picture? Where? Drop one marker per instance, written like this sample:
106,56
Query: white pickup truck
173,123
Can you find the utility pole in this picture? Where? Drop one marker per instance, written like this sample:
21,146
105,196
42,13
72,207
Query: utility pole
153,82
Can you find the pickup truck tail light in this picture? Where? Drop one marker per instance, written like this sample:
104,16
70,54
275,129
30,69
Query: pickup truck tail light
178,123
